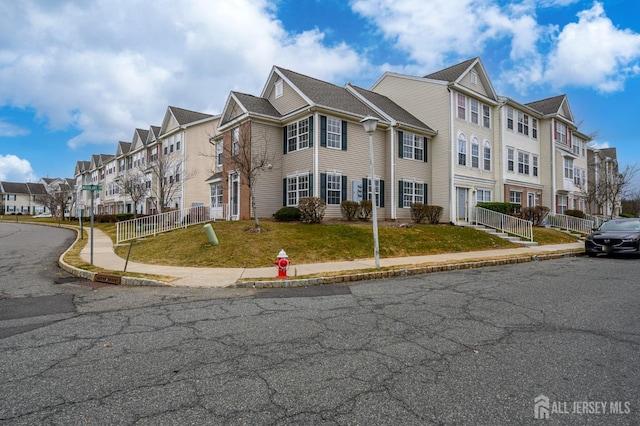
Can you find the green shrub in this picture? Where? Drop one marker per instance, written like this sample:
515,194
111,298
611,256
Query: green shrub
534,214
123,216
504,208
287,214
349,209
575,213
366,209
434,214
628,215
312,209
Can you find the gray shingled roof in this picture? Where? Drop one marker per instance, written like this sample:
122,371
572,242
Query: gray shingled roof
257,105
610,153
14,188
549,105
156,131
184,116
452,73
143,135
327,95
37,189
125,147
392,109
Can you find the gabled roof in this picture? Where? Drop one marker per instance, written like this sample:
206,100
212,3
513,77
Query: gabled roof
256,105
123,148
548,106
139,139
14,188
325,95
390,108
185,116
82,166
153,134
37,189
453,72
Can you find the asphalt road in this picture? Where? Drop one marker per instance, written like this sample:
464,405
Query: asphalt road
463,347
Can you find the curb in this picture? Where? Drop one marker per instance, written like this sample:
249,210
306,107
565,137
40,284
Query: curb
403,272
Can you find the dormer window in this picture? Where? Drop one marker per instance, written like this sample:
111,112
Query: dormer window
279,89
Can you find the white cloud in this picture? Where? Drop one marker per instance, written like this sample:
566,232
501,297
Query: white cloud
599,145
594,53
14,169
108,66
10,130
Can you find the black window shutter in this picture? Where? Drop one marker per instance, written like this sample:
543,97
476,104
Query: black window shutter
311,185
400,144
344,135
323,130
311,131
425,148
365,189
344,188
400,194
284,139
323,186
381,193
425,194
284,192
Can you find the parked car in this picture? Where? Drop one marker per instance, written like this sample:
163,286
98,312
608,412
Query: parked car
42,215
614,236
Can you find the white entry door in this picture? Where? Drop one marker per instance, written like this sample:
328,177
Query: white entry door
463,203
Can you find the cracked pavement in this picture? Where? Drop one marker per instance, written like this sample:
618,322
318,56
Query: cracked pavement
463,347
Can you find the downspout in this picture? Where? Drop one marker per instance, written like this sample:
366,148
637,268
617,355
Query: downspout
553,170
452,151
394,214
316,154
183,168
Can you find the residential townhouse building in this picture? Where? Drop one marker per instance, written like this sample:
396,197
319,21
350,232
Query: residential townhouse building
310,132
22,198
604,195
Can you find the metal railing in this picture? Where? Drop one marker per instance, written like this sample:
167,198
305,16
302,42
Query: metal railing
597,220
504,222
164,222
570,223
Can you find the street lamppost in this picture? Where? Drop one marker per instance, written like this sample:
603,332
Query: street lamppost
369,123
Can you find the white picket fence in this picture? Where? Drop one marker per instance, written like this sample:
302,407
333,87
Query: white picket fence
570,223
164,222
504,223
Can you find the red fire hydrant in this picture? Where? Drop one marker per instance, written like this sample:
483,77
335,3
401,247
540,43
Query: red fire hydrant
282,262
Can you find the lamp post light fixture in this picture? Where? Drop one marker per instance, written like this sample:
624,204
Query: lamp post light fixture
370,123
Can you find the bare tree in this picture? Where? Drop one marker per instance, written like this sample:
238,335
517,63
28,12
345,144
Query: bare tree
56,201
167,174
631,203
250,157
134,183
609,184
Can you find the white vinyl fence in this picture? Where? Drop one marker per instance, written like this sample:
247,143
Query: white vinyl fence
151,225
570,223
504,222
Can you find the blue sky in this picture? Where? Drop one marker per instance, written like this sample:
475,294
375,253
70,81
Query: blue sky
77,76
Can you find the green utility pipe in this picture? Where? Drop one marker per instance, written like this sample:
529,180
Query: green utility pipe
208,229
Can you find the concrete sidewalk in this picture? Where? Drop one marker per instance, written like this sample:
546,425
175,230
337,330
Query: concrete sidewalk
104,257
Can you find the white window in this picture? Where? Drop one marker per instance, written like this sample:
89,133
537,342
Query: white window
462,150
515,197
334,189
534,159
534,128
486,116
412,192
483,196
462,107
510,159
568,168
523,162
475,153
377,191
298,135
219,153
279,89
475,111
561,133
334,133
563,201
235,141
510,118
486,156
412,146
216,195
297,188
523,123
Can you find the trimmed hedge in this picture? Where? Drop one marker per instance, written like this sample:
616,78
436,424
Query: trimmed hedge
534,214
349,209
287,214
504,208
312,209
575,213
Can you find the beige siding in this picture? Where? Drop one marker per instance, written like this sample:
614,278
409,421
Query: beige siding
269,184
198,157
289,101
479,86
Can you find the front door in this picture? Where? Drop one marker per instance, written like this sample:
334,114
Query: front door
234,192
462,204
